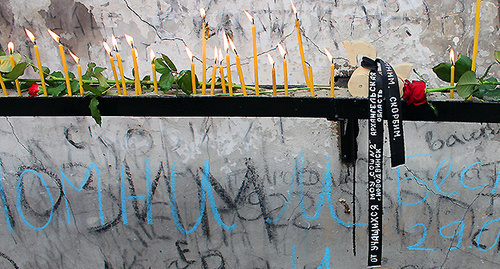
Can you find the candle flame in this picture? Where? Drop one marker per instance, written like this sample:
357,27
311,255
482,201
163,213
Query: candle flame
250,17
130,40
329,55
54,35
77,60
282,50
215,54
30,35
11,47
106,47
233,47
220,58
226,43
270,58
189,53
113,41
152,55
293,7
452,56
202,13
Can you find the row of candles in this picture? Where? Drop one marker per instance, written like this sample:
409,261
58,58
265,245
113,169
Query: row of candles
218,59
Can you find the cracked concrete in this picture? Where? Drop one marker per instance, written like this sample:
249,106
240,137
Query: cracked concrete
415,31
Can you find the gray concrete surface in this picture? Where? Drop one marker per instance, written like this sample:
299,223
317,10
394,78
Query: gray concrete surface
416,31
128,195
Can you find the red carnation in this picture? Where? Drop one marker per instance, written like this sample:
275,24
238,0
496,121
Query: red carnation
414,92
33,90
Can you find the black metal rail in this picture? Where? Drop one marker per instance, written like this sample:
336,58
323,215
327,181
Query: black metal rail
307,107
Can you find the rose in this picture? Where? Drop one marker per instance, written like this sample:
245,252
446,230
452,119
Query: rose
33,90
414,92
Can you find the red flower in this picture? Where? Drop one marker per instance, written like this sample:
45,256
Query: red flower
33,90
414,92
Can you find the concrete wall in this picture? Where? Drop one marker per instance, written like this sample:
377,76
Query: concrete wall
414,31
269,193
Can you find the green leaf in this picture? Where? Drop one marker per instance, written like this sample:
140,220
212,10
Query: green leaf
166,82
99,69
488,91
2,53
184,81
6,65
90,69
103,82
75,87
497,56
161,67
95,90
45,70
56,91
94,110
443,70
17,71
169,63
487,71
466,84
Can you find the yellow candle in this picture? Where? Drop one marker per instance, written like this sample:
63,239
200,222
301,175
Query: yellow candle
214,72
37,54
285,69
120,65
311,81
228,64
13,63
254,43
476,35
271,61
153,66
204,52
79,67
63,59
452,73
112,62
301,49
3,86
238,67
137,80
193,76
332,73
221,67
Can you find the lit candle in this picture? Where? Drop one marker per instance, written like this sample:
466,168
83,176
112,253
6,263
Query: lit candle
476,34
130,41
452,73
13,63
63,59
238,67
153,66
204,52
79,67
228,64
37,54
193,78
214,72
112,62
120,65
271,61
254,42
221,68
299,38
311,81
283,54
332,73
3,86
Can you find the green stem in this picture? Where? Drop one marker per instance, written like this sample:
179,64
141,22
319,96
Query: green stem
442,89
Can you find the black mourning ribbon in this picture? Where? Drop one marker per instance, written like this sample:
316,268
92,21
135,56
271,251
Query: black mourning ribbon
383,97
388,82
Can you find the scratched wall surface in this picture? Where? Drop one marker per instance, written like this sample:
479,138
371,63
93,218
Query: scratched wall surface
239,193
416,31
